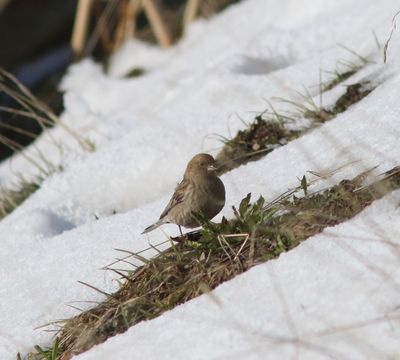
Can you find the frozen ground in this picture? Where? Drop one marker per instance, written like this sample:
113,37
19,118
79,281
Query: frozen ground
313,301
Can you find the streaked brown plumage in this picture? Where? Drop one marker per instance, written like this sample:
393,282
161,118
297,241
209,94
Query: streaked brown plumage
200,192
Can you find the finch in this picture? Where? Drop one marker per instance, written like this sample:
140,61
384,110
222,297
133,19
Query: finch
201,191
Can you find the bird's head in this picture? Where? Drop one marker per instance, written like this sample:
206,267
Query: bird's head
201,164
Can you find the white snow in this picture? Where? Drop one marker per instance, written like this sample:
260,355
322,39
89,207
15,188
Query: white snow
146,129
335,296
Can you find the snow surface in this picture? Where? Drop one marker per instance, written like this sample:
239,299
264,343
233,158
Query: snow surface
335,296
320,299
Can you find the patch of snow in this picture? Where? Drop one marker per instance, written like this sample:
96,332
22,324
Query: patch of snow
335,296
146,129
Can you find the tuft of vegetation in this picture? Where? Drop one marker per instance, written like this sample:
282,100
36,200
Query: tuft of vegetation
201,260
349,68
12,198
258,139
135,72
50,353
269,130
339,77
354,93
308,109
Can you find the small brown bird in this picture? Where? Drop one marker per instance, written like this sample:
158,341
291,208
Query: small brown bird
200,192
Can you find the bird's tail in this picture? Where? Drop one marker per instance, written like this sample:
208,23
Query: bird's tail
153,226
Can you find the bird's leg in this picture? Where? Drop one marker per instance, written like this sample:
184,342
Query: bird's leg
180,230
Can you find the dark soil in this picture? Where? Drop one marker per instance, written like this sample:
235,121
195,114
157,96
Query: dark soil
257,140
354,93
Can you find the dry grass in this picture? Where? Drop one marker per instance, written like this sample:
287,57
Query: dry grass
204,259
394,27
12,198
28,106
269,130
339,77
347,69
33,108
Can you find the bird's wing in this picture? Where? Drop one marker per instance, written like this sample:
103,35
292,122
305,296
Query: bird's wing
177,197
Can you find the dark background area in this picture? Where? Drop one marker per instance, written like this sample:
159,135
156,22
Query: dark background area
35,40
30,31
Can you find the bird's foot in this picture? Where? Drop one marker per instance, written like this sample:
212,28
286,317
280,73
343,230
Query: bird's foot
190,236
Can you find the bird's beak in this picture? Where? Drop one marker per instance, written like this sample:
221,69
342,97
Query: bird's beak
212,168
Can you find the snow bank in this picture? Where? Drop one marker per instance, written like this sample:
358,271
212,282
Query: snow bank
334,296
146,129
